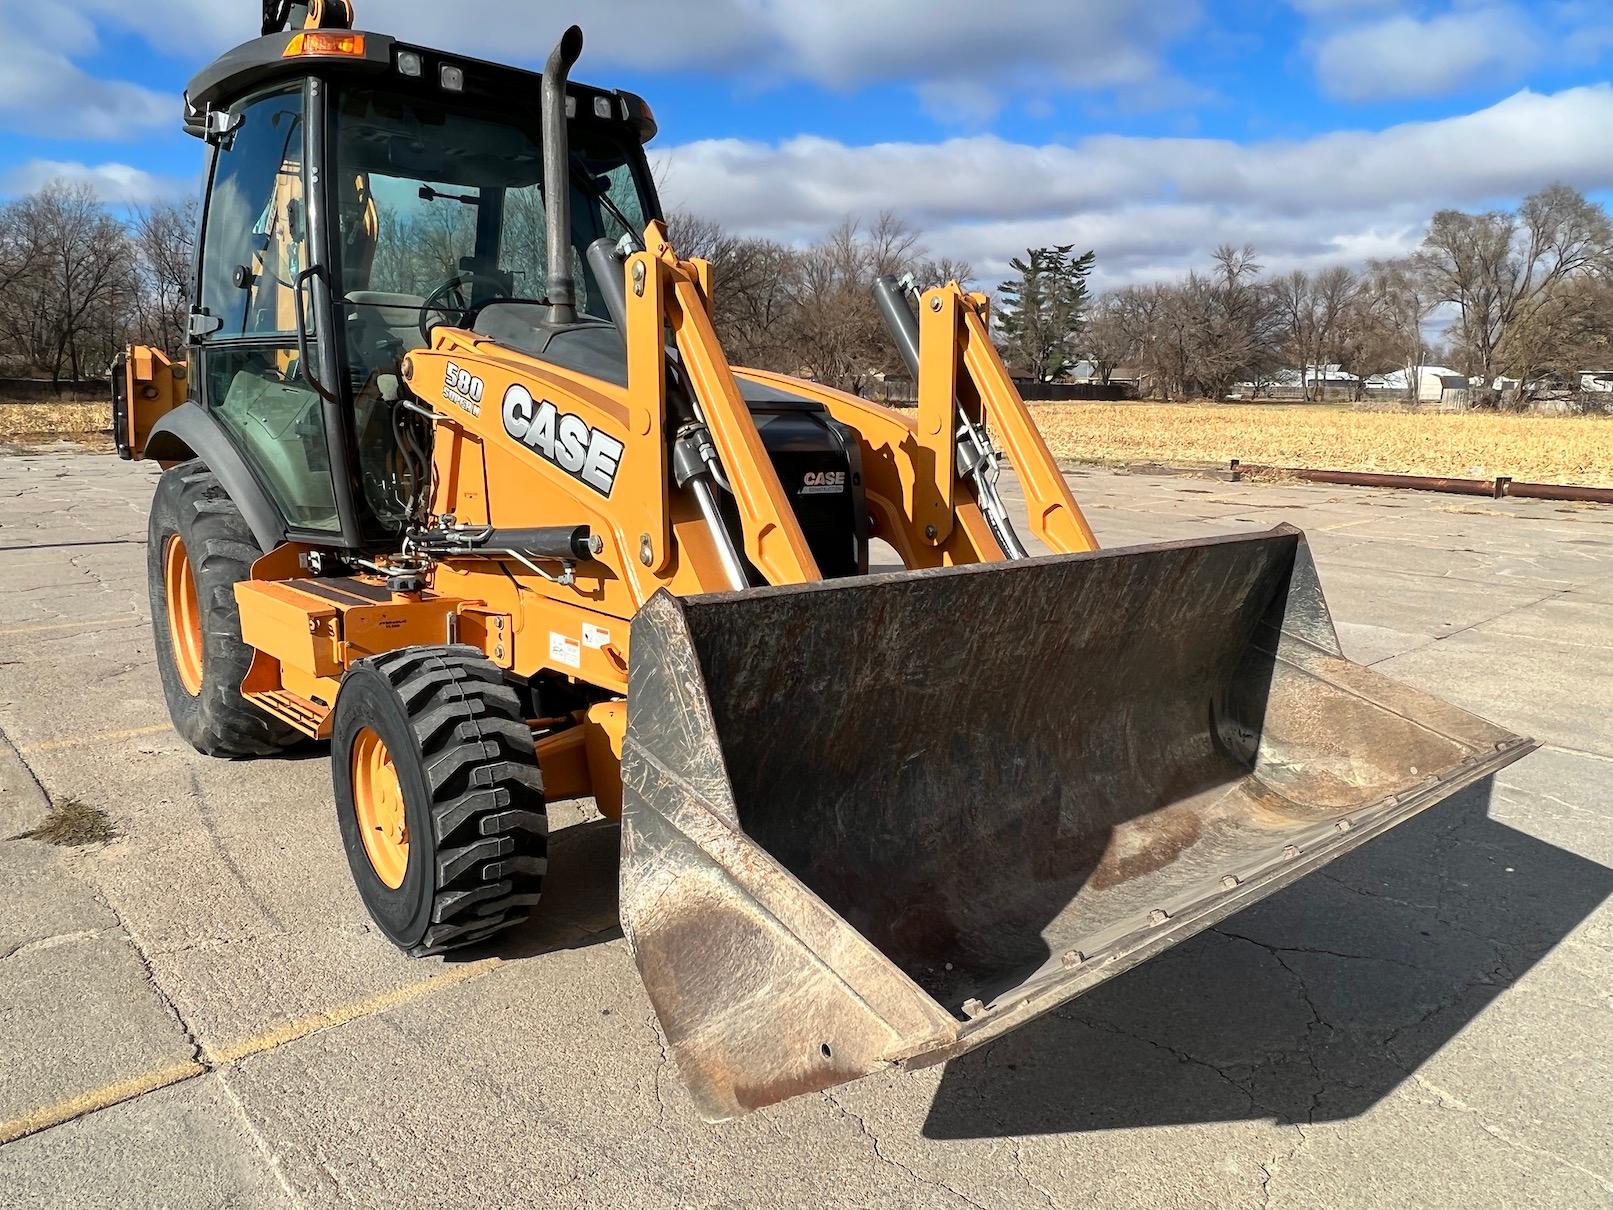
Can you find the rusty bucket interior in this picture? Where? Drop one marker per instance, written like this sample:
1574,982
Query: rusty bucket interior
995,777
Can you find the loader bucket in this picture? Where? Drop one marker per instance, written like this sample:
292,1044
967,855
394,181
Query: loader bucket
886,820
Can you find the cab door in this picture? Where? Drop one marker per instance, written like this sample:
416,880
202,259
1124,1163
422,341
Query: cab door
248,353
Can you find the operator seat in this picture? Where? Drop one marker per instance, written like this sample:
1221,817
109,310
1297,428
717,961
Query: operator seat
384,326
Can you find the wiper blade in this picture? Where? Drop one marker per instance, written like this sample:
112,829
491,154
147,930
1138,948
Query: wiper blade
428,194
584,178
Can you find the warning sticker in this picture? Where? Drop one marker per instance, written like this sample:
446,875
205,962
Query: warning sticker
595,637
565,651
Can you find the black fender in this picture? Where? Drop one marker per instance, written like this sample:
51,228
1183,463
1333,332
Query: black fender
190,432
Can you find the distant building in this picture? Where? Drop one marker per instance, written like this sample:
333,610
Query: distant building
1330,375
1598,382
1432,384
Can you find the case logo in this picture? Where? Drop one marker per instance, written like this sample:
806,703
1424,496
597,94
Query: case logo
584,453
823,483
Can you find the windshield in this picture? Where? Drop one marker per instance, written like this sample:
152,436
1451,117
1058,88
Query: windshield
439,210
428,195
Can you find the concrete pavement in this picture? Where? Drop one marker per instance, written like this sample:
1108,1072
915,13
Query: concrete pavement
199,1014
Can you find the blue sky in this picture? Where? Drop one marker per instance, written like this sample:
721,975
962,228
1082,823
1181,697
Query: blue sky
1319,130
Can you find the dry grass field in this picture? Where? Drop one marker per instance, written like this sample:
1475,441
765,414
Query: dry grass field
1547,449
1478,445
86,423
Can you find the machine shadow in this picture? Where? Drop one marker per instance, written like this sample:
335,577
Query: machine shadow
579,904
1302,1014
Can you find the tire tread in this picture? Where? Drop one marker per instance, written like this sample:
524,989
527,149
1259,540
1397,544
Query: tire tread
487,809
222,549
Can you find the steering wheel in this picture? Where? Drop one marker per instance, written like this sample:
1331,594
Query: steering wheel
447,303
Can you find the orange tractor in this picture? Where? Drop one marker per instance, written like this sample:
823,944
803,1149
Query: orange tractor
460,481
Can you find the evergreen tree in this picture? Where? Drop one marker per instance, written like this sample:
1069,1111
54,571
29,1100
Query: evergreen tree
1042,311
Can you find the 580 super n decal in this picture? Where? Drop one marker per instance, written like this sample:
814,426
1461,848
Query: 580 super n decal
568,441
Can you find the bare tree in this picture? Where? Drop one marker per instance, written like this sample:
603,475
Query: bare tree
1499,268
21,250
1108,340
697,237
1294,301
755,284
71,308
837,335
939,272
1341,324
21,258
1134,320
164,244
1221,326
1566,330
1402,302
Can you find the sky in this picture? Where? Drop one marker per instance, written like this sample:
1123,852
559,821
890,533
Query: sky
1320,131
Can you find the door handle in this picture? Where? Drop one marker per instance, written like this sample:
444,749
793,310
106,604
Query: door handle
304,361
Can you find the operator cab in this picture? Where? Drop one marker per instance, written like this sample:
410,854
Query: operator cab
363,191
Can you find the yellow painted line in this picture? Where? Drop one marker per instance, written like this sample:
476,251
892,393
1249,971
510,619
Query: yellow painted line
99,737
101,1098
295,1030
86,625
227,1056
1333,529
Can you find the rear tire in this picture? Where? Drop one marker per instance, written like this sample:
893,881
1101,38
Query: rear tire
200,547
439,797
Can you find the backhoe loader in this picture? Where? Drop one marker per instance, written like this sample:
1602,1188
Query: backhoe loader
459,479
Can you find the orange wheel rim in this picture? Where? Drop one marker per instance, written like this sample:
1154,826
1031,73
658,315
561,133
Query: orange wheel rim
184,615
378,803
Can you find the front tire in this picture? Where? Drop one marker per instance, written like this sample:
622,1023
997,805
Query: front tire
439,797
199,548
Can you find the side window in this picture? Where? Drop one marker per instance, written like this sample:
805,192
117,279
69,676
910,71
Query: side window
257,220
254,243
279,425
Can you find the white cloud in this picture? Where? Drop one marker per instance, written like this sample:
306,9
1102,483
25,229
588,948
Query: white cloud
1009,48
115,184
43,92
1402,56
1152,206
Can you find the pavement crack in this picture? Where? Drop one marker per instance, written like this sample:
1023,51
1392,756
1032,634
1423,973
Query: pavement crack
661,1068
1440,638
1275,950
1317,1021
1433,909
204,811
1180,1055
1019,1167
1268,1168
22,763
51,942
199,1054
224,943
1451,1101
270,1156
879,1153
69,545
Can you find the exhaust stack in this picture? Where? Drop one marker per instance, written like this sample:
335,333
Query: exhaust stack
557,176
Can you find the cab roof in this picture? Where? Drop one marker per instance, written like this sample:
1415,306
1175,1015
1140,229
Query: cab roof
376,58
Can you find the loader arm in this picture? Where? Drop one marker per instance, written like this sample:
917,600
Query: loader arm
772,536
